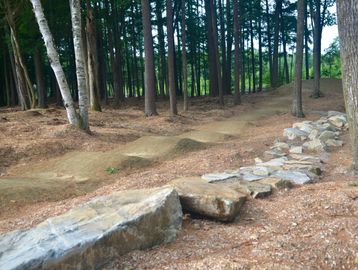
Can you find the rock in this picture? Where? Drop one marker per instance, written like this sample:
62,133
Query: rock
294,133
334,143
315,145
302,166
273,154
335,113
258,160
219,176
312,159
90,235
327,135
254,189
248,176
280,146
296,150
314,134
256,170
275,182
214,201
274,164
294,176
305,126
338,120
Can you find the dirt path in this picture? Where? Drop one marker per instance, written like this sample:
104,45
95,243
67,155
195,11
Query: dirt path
308,227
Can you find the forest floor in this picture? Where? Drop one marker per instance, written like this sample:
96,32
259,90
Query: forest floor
308,227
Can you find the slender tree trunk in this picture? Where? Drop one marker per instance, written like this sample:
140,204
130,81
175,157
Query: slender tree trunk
40,79
184,61
307,36
268,30
217,54
297,93
80,62
237,94
253,64
230,37
92,60
284,45
149,73
171,62
161,44
275,67
347,24
55,63
223,47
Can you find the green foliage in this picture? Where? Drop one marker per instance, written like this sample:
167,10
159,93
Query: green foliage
331,62
112,170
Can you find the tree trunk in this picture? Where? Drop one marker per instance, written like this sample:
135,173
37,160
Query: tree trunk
184,61
149,73
223,48
307,36
76,19
269,41
347,24
161,48
275,68
92,60
230,37
237,94
253,64
40,80
297,93
171,60
55,63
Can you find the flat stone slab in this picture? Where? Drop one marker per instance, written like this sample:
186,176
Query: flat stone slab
214,201
219,176
95,232
296,177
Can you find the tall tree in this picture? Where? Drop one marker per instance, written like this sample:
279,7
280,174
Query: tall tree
297,93
275,61
55,63
76,19
347,24
184,60
237,93
171,57
149,73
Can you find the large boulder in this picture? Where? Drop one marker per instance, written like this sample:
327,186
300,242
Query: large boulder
95,232
210,200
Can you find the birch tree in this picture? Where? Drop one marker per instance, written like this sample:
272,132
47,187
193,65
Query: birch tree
54,60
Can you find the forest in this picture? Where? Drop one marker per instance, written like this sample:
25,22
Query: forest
114,40
178,134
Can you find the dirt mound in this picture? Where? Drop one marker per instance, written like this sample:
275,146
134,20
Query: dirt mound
327,85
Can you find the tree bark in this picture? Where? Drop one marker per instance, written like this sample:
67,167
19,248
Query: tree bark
92,60
171,61
297,93
275,68
40,79
149,73
347,24
55,63
237,94
184,60
76,19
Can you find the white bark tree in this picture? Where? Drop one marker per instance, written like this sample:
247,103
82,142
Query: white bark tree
75,119
75,7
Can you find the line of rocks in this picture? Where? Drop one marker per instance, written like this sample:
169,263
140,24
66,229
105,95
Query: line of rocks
90,235
296,160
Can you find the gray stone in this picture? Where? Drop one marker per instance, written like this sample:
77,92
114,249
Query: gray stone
280,146
334,143
314,134
305,126
274,164
94,233
275,182
273,154
338,120
309,158
294,133
294,176
327,135
296,150
256,170
219,176
315,145
253,189
335,113
214,201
